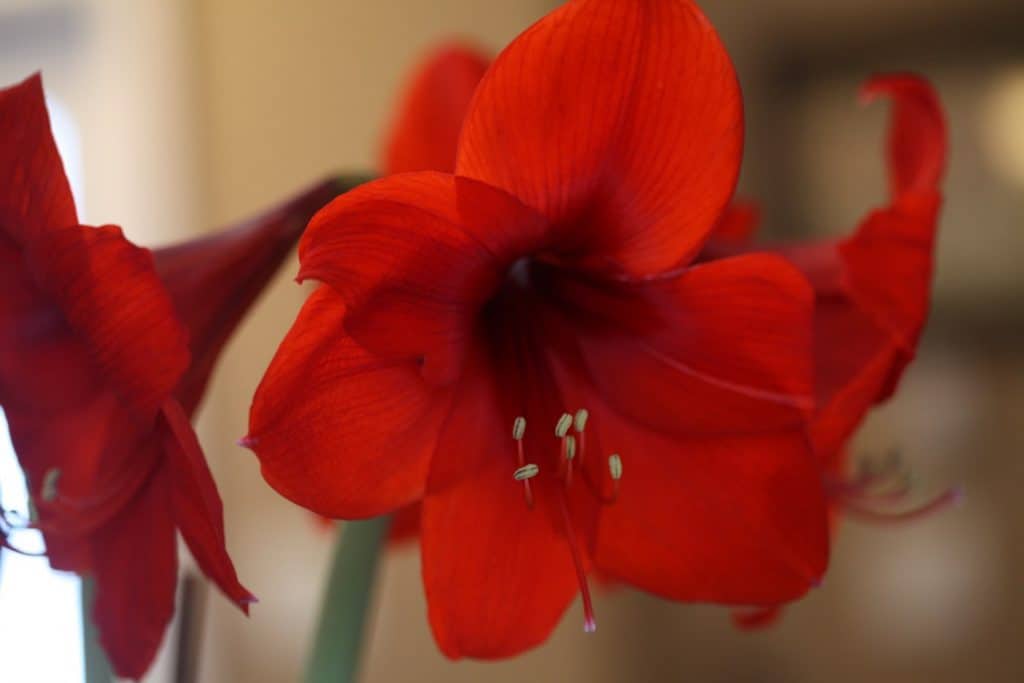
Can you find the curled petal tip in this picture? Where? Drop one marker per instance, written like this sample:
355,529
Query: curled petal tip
245,603
249,442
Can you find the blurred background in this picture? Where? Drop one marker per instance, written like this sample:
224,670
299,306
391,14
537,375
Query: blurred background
179,117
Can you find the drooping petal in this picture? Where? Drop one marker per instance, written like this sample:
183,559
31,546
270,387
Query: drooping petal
425,132
917,136
34,194
107,290
620,121
214,280
419,252
337,429
723,347
874,287
136,570
196,505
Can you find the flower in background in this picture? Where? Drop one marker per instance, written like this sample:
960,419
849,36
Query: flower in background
424,134
872,292
98,378
527,347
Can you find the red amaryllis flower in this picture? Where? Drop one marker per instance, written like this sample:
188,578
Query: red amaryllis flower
97,381
521,346
872,293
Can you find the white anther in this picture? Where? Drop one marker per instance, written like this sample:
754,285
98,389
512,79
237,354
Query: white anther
570,448
562,426
615,466
519,428
48,492
526,472
581,419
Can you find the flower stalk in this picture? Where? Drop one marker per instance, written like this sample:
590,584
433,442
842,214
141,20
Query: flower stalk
343,616
97,666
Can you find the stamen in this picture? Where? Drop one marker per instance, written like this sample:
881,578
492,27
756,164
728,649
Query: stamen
526,472
580,422
48,491
615,466
519,428
615,471
568,453
563,425
589,624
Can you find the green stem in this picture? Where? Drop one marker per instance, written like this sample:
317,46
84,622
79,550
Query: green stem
339,638
97,667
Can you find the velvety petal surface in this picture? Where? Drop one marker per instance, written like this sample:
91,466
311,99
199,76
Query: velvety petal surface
425,131
107,290
197,509
338,429
34,195
621,122
419,252
136,570
731,520
722,347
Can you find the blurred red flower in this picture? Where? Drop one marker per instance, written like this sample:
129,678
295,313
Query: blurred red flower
872,292
97,380
504,343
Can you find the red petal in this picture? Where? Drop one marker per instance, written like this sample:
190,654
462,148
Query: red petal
405,524
198,512
136,570
873,288
418,252
722,347
34,194
732,520
621,121
855,363
214,280
917,136
498,576
425,132
109,294
739,223
337,429
888,265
